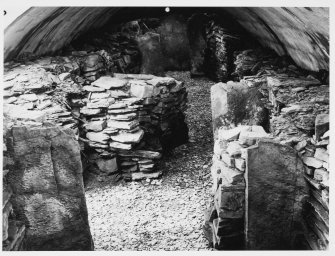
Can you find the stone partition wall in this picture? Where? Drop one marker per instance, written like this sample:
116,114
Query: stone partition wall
275,194
297,119
47,188
233,104
130,119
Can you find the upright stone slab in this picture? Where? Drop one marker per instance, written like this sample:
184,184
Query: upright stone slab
228,103
236,103
48,191
275,193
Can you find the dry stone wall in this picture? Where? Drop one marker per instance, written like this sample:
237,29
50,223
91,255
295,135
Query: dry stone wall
133,118
298,104
297,110
123,121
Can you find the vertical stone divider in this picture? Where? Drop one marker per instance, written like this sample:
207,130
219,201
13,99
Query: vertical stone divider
275,194
48,190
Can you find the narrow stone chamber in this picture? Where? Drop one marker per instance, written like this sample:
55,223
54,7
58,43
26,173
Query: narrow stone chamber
270,164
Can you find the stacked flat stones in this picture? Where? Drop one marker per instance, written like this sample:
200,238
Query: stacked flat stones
315,155
226,218
29,96
118,115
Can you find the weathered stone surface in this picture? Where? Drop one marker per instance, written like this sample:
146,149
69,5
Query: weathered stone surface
321,154
219,147
117,105
64,76
228,160
100,95
321,125
90,88
48,189
275,193
312,162
28,97
90,111
122,124
134,76
107,165
119,145
230,201
21,113
107,82
300,145
128,137
226,174
119,94
151,51
99,137
96,126
123,117
322,175
250,138
141,90
234,149
142,154
240,164
121,111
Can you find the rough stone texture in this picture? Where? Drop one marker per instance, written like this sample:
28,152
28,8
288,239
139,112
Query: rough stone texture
48,194
234,104
152,56
275,194
174,42
195,29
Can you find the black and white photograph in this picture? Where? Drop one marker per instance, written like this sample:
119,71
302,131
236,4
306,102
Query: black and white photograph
164,126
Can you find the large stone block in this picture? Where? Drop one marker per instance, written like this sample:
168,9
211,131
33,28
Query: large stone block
48,191
275,194
234,104
153,61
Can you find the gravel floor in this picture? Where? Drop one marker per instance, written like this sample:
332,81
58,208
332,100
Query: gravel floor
166,214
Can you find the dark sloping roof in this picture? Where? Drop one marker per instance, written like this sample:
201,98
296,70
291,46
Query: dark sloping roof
303,33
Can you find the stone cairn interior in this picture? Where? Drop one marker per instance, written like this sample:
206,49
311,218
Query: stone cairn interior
102,106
